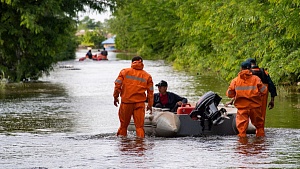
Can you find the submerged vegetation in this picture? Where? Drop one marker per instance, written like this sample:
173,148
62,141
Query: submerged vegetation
213,35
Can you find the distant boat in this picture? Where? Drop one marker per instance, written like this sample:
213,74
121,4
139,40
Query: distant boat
94,57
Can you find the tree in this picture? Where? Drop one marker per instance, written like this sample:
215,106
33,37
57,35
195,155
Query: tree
89,24
94,32
36,34
213,35
147,26
92,38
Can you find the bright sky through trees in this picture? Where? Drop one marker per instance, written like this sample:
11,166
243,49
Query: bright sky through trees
95,15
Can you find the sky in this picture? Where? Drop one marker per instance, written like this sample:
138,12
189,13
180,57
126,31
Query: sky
95,15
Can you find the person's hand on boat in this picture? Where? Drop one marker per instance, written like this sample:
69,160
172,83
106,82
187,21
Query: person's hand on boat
116,102
149,108
179,103
229,103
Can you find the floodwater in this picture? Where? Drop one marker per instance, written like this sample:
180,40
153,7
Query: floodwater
69,121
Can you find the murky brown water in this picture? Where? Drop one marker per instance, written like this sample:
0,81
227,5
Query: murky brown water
69,121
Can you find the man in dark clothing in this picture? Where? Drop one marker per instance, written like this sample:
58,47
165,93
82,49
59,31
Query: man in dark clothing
266,79
165,99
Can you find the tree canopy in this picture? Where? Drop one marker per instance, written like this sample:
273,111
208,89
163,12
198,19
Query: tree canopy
213,35
34,34
94,32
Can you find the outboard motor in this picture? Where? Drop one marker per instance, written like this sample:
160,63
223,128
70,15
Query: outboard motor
206,109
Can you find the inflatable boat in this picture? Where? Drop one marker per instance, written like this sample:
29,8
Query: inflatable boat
94,57
207,117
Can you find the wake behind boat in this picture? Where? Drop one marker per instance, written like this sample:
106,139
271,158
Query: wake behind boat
206,118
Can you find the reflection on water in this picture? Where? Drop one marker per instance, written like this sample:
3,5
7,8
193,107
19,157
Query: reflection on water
68,120
34,107
133,146
251,146
31,90
35,123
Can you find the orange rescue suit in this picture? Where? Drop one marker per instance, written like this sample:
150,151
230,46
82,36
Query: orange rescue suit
131,85
248,91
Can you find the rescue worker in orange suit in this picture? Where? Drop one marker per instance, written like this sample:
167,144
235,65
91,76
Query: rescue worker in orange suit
266,79
248,90
132,85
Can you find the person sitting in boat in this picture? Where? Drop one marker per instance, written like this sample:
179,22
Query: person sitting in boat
104,54
98,53
89,54
98,56
165,99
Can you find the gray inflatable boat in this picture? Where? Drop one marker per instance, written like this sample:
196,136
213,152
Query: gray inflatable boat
206,118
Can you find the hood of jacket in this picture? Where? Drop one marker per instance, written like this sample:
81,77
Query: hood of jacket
245,74
137,65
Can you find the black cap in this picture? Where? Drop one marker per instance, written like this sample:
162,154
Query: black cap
162,83
246,65
251,60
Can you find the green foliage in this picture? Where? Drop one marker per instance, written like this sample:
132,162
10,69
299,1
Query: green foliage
94,32
92,38
89,24
145,25
69,53
214,35
36,34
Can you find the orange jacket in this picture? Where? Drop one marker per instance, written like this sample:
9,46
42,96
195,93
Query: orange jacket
132,83
247,90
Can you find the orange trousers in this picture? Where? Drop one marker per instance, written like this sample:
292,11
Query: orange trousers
242,121
137,110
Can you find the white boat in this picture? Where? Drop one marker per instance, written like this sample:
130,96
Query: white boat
206,118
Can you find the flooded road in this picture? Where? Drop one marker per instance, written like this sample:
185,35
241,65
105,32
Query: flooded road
69,121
